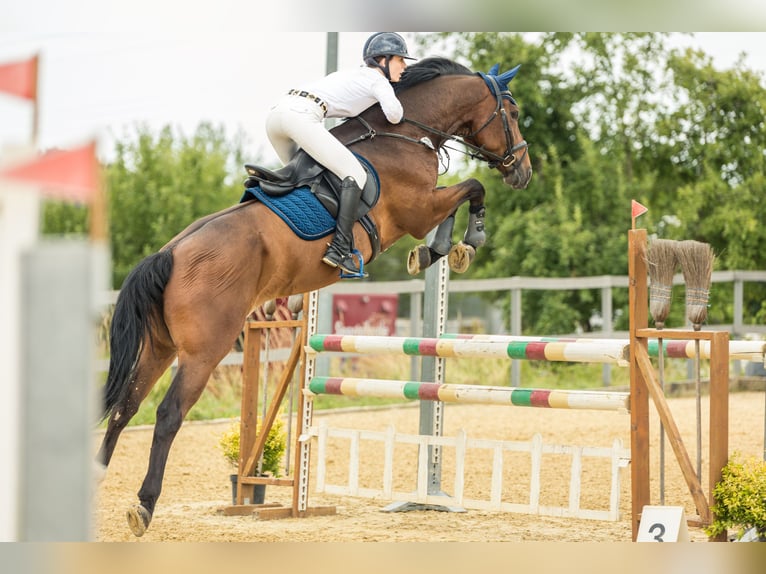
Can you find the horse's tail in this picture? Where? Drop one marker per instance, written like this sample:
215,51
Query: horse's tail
139,307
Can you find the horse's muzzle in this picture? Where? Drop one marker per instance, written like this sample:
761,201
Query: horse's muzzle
519,177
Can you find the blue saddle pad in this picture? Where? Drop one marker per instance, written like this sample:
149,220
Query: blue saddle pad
300,209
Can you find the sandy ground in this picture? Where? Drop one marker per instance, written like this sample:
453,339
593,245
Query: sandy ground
197,484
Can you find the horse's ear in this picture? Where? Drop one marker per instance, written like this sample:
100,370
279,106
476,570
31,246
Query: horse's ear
508,76
494,70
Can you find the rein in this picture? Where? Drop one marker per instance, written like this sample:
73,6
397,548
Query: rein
492,159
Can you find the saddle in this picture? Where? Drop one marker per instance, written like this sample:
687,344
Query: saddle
303,171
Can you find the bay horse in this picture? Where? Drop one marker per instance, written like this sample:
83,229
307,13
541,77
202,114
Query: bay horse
191,298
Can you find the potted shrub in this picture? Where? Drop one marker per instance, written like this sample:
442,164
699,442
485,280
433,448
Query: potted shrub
741,499
273,452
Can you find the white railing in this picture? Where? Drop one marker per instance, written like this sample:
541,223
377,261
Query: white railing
499,501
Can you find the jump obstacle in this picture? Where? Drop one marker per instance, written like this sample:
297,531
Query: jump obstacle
603,352
738,350
425,495
641,346
470,394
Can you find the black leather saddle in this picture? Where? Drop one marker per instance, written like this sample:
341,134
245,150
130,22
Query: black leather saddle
302,171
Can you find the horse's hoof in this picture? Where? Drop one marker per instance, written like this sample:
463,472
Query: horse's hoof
460,257
138,519
418,259
295,304
99,472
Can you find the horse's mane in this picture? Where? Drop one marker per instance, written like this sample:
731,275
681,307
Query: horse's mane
428,69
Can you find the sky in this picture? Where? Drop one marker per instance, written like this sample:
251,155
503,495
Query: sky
100,81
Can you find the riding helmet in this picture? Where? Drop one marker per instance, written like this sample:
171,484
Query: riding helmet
385,44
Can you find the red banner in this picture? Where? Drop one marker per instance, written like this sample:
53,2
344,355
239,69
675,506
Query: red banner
364,314
20,78
63,174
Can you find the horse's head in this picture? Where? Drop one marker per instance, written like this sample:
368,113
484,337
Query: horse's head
487,120
495,131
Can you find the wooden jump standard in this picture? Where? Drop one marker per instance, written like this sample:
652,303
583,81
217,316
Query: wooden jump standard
644,384
252,442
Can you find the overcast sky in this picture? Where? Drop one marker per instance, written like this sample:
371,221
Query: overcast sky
99,82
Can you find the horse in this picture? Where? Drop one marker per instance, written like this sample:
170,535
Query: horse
190,299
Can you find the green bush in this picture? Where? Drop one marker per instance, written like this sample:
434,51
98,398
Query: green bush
740,497
273,450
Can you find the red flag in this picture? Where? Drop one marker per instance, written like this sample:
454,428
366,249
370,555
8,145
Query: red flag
637,208
64,174
20,78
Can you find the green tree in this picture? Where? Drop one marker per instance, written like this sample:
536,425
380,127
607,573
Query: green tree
610,118
160,183
156,185
64,218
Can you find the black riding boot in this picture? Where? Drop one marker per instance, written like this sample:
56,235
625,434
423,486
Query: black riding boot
338,254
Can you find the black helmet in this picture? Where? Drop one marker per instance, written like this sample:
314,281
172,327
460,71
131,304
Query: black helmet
385,44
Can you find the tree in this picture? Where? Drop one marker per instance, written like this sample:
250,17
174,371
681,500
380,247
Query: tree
714,142
159,184
610,118
156,185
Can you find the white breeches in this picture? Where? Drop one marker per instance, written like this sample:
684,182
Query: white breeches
297,122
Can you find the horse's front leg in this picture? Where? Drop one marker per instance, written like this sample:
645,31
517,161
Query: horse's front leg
421,257
462,254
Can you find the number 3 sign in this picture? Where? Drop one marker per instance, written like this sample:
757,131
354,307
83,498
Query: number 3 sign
662,524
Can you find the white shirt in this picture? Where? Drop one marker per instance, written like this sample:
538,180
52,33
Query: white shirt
348,93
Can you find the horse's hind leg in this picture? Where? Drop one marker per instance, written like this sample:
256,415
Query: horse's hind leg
186,388
152,363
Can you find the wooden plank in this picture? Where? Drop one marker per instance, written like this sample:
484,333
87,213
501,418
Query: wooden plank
639,398
244,509
719,413
288,481
674,334
276,324
248,423
273,511
271,414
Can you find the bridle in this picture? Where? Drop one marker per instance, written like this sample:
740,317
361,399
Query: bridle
507,160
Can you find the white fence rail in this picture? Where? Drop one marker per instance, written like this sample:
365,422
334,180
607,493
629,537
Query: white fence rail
618,456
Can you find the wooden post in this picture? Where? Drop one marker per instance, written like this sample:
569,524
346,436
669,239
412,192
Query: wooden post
644,384
251,366
253,436
639,395
719,412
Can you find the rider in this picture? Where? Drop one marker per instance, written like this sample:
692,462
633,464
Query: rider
297,121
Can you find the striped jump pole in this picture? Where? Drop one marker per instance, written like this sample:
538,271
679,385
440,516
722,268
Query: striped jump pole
738,350
607,352
471,394
674,349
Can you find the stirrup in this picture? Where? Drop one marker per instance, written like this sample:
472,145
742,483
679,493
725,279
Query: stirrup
344,274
